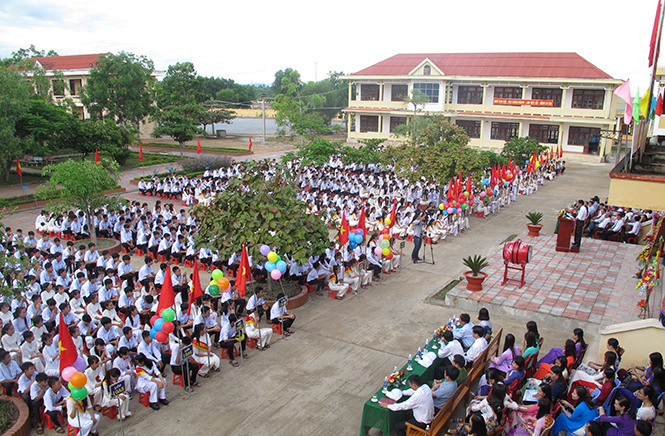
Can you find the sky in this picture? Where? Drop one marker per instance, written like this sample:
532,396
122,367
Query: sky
249,41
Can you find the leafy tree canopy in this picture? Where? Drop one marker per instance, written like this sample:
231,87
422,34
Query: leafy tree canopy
15,95
520,149
22,54
257,211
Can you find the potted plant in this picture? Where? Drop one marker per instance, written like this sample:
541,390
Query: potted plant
475,276
534,227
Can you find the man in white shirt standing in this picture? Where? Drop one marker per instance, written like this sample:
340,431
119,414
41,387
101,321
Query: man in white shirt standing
582,215
419,408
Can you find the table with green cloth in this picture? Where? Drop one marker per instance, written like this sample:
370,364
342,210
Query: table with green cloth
375,416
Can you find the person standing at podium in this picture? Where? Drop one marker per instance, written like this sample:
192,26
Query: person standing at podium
582,214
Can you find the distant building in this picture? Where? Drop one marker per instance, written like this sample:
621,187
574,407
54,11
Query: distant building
556,98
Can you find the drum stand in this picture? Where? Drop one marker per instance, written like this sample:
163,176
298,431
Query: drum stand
521,267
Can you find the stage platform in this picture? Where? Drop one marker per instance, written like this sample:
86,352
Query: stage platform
565,290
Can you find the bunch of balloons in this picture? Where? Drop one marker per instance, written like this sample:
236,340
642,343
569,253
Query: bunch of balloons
357,237
76,379
275,265
162,325
383,249
218,282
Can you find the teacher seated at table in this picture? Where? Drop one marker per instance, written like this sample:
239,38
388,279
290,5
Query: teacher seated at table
419,408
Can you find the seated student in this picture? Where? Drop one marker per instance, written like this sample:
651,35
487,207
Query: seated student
186,367
152,350
460,363
442,392
479,345
647,411
228,339
503,363
202,350
530,344
557,382
99,349
109,335
128,340
419,407
623,423
463,331
9,372
316,278
95,374
108,400
279,315
150,380
336,284
11,341
537,425
517,371
30,351
643,428
54,398
574,418
37,391
253,331
81,416
257,303
26,380
124,364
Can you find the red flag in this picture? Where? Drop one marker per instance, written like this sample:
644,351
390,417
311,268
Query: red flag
141,152
344,231
654,46
560,151
250,143
197,291
96,155
468,184
243,271
68,353
18,168
393,214
658,111
449,194
361,222
198,146
166,296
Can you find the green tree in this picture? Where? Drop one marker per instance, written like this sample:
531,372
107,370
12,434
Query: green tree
15,94
121,87
213,115
22,54
257,211
520,149
441,152
81,185
416,125
86,136
370,151
179,98
317,151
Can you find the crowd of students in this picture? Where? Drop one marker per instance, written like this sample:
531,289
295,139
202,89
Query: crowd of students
567,397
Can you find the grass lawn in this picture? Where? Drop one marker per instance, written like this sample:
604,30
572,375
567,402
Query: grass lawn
14,179
148,159
193,147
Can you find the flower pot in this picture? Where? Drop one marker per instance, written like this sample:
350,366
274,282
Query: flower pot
534,230
474,283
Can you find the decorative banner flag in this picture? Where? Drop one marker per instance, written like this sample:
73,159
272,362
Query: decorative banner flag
393,214
18,168
250,143
361,222
344,231
166,296
644,103
659,105
197,291
654,45
198,146
623,92
636,107
68,353
243,272
141,152
97,156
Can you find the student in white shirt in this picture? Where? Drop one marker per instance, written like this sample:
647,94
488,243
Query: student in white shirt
419,407
279,315
54,399
479,345
30,351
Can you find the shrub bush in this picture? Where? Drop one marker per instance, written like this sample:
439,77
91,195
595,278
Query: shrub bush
203,162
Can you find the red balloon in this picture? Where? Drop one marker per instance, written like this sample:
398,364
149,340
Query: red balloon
390,256
162,336
471,197
153,319
168,327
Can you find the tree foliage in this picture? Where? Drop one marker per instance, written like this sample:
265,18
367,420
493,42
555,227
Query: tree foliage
179,98
86,136
257,211
81,184
414,128
121,87
370,151
15,95
213,115
23,54
520,149
439,154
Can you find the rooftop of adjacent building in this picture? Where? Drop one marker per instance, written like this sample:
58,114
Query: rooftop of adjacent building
73,62
546,65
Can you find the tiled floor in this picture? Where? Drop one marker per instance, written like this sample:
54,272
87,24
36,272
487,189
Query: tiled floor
594,285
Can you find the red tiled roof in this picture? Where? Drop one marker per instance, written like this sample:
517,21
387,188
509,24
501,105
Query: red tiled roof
75,62
559,65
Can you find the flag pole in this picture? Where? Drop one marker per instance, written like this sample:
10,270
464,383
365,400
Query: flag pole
653,74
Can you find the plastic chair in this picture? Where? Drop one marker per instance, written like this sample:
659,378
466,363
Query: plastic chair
332,294
188,263
161,258
252,342
177,380
111,412
72,431
144,398
277,328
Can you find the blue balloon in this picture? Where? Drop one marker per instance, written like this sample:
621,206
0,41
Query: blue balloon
269,266
353,245
506,183
281,265
158,324
359,239
445,212
495,192
153,332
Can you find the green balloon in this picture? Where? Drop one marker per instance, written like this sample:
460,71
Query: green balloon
214,290
168,315
384,243
79,393
70,386
217,274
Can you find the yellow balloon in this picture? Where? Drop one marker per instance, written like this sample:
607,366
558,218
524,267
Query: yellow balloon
388,221
386,251
272,256
441,206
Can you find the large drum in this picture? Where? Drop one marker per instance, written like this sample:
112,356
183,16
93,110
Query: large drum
517,252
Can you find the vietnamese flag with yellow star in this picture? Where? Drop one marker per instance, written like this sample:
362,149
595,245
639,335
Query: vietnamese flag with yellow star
344,231
243,271
68,353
